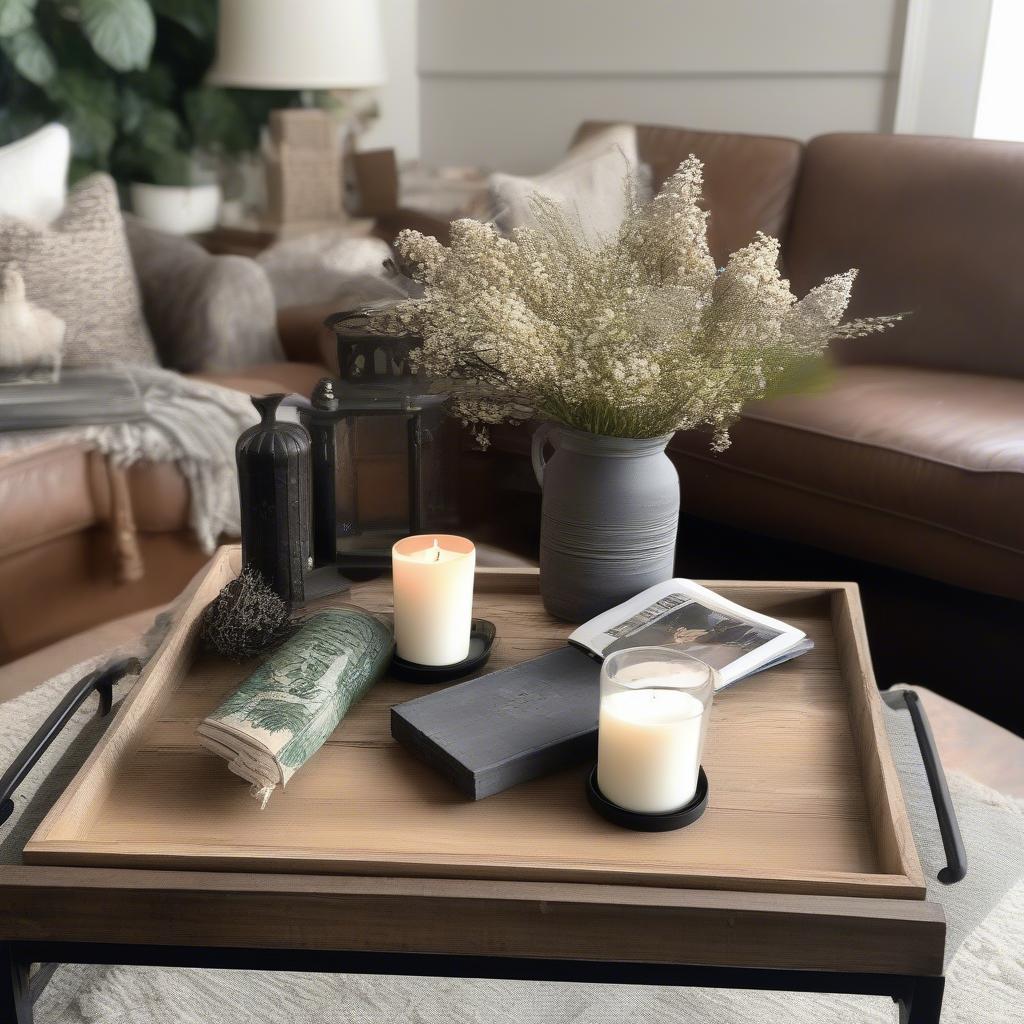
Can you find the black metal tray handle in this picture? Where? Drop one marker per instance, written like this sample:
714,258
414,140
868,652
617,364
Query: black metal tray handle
102,681
949,827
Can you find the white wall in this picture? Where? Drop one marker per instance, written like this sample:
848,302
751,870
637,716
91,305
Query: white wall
504,83
943,57
398,126
1001,93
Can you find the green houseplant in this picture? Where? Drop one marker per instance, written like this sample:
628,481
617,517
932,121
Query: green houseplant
126,77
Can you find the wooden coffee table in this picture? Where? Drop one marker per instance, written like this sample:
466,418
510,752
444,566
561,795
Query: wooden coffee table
801,876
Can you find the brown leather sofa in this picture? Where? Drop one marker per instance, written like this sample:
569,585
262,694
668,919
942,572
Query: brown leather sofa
914,457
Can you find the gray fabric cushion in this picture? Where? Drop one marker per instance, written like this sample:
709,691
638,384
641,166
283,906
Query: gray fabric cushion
80,269
205,312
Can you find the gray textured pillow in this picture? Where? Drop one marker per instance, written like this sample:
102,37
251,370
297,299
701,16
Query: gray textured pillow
79,268
206,312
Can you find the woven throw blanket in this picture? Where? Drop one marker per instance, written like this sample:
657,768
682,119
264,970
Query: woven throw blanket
189,422
985,945
282,714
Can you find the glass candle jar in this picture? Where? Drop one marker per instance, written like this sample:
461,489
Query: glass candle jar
655,707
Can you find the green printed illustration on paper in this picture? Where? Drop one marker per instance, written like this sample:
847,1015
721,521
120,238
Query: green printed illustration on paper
296,698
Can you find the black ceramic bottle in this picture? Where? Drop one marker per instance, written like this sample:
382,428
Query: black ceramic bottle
273,485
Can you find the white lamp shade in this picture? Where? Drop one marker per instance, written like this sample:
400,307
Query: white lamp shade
298,44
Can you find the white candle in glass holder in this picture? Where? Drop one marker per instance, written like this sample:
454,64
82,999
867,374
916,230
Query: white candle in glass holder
654,710
433,584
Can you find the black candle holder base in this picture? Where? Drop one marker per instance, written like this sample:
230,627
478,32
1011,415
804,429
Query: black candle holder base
481,641
640,822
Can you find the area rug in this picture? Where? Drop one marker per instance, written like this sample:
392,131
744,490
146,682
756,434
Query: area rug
985,949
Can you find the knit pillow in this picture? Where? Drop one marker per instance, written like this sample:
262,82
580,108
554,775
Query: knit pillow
80,269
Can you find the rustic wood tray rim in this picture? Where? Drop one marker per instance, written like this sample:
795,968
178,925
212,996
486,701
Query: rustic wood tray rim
49,847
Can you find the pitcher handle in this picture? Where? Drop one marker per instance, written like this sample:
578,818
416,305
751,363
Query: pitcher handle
540,438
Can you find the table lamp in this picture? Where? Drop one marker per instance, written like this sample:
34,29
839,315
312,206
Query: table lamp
305,45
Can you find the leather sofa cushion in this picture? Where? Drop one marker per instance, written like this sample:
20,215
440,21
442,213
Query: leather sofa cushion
749,180
941,451
933,225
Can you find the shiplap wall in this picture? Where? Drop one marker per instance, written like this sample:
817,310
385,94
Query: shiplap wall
398,124
504,82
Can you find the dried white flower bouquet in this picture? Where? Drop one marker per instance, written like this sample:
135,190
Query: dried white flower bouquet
636,337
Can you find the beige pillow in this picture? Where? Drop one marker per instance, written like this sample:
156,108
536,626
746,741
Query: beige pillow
79,268
589,185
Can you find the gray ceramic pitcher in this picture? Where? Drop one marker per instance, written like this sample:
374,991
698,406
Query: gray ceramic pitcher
609,518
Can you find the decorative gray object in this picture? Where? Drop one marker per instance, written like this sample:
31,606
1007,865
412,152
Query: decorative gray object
273,486
609,519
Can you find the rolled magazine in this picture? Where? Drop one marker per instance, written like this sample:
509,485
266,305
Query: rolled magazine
282,714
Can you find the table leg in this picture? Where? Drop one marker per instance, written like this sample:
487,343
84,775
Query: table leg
15,993
922,1003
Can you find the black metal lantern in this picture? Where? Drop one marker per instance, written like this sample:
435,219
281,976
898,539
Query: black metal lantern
379,444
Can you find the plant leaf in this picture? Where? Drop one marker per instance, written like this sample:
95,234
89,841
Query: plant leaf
15,16
155,83
33,59
122,32
21,119
217,122
197,16
159,130
171,168
89,108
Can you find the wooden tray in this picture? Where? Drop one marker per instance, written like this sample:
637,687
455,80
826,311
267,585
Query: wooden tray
804,794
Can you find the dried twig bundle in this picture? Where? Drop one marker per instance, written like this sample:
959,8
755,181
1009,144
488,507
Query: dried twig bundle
245,619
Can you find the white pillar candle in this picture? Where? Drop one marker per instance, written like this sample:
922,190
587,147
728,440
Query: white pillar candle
433,581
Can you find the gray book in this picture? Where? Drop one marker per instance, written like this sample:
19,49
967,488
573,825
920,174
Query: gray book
82,397
507,727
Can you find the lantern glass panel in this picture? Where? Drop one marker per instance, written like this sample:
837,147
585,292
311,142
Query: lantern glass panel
378,464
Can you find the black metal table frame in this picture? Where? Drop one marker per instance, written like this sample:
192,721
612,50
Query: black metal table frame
918,996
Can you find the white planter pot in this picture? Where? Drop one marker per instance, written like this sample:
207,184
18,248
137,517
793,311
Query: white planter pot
180,210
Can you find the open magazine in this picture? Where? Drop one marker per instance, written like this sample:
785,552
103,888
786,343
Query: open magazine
680,613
